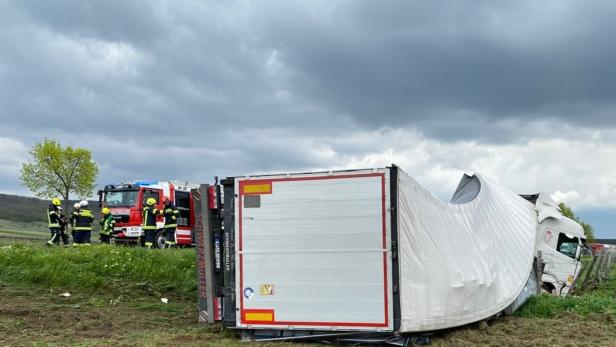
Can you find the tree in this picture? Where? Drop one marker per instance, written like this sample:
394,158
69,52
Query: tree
55,171
589,231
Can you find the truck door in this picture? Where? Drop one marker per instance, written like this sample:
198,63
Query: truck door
183,233
563,263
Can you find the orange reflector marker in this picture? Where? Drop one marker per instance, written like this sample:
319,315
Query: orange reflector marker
256,188
256,316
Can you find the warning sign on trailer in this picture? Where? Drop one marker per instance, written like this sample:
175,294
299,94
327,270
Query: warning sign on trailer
266,289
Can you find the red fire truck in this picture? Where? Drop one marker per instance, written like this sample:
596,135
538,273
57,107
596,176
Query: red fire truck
126,201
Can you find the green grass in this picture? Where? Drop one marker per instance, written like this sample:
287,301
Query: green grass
101,268
116,300
597,301
24,234
549,306
32,226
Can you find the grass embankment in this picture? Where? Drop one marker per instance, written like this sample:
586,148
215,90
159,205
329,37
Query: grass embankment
116,300
10,228
599,300
588,319
101,269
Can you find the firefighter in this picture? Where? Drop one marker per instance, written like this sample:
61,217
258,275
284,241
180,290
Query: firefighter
53,218
63,219
149,222
82,224
107,223
171,221
76,208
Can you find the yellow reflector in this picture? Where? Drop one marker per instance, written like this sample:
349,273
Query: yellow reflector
259,316
262,188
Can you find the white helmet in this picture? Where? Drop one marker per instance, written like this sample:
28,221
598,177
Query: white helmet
77,206
83,203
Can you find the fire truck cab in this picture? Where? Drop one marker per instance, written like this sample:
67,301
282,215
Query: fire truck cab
126,201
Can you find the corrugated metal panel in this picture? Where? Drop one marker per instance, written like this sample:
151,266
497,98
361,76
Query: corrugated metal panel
314,252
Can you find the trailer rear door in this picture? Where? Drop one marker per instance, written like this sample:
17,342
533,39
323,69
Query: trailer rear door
312,251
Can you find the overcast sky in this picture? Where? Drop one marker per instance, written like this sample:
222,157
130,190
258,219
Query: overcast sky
521,91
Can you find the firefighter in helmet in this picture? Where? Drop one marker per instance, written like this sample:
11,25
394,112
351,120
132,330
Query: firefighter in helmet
107,223
82,224
170,212
76,208
56,222
149,222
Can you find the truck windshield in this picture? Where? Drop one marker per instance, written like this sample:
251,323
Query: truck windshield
567,245
120,198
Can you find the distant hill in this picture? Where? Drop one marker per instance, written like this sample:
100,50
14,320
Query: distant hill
24,209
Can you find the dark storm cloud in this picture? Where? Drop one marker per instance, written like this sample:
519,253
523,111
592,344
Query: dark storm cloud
401,64
260,81
114,20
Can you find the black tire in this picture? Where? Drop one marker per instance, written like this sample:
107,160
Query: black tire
549,288
159,240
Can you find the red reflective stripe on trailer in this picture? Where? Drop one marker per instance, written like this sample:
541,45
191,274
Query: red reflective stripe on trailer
328,324
384,224
384,241
217,310
211,197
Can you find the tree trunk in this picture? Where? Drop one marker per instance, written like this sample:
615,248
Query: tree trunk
66,203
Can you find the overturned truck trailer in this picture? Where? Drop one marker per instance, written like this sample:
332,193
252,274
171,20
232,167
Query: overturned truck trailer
350,253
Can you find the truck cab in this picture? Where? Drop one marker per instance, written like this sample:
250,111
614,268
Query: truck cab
559,241
126,201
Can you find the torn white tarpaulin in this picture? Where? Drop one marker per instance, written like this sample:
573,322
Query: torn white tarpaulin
464,261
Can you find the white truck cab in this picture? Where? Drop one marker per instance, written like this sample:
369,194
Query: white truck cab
559,240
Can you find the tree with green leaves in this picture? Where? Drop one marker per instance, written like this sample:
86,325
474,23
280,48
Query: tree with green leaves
52,170
589,231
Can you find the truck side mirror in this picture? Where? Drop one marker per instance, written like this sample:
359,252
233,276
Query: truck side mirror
100,198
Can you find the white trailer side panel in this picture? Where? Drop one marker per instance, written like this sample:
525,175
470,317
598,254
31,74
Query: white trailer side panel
312,251
461,262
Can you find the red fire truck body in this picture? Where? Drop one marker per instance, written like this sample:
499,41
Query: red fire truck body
126,201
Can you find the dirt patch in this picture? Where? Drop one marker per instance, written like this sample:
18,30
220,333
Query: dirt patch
33,316
569,330
29,314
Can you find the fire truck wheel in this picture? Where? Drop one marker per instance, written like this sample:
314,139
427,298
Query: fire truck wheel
159,241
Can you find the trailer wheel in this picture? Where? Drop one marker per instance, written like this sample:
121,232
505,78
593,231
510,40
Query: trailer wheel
159,240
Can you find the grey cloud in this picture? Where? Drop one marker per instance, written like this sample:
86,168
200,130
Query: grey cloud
385,67
113,20
271,85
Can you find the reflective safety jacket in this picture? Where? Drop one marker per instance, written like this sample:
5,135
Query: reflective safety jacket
53,216
149,217
107,223
171,214
82,220
73,217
